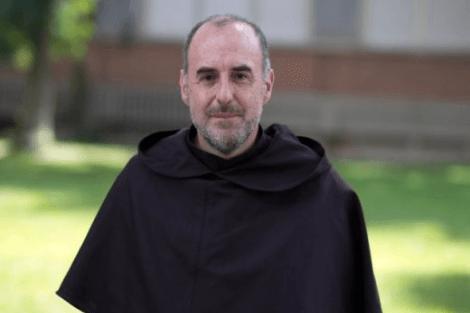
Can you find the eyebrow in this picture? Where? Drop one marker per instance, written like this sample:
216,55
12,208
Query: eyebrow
205,70
240,68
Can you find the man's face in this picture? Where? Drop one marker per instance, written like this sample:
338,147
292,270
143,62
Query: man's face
225,88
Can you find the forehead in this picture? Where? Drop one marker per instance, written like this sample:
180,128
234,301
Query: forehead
215,45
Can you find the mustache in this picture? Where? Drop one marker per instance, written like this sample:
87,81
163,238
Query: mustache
225,108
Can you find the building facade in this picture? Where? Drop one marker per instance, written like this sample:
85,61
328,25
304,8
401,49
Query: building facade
374,78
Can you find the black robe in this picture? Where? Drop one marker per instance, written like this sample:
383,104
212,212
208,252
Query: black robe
275,230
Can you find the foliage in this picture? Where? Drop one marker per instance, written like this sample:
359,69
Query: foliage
20,20
74,27
417,220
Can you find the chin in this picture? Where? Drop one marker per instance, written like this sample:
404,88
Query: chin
226,125
224,134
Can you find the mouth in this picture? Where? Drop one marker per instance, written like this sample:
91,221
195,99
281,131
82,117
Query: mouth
225,115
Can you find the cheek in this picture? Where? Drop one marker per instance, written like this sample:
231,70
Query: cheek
199,98
254,103
197,112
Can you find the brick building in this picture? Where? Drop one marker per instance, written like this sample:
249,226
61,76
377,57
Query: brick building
375,78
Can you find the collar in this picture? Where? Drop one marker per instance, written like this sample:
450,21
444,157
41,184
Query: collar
279,161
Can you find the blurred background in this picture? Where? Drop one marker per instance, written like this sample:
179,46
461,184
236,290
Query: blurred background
383,84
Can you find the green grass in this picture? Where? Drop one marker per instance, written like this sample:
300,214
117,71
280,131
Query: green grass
47,205
417,220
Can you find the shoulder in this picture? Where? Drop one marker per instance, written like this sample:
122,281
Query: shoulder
135,169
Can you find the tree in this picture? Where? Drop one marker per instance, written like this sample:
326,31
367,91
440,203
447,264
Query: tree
32,33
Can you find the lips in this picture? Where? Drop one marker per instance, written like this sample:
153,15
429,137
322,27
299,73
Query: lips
224,114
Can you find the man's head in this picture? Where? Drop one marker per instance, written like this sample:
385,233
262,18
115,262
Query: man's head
222,20
226,79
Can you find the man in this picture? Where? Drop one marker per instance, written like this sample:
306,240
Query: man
225,217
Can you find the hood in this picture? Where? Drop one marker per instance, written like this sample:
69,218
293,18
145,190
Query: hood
286,162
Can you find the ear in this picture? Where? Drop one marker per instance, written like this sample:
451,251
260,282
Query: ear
183,83
269,83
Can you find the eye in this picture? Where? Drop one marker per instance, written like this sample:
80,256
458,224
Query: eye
240,76
208,77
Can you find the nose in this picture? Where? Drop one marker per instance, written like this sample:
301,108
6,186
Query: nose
225,91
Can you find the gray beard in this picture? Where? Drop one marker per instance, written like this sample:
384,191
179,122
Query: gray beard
228,144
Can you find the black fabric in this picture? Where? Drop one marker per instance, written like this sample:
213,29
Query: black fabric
278,231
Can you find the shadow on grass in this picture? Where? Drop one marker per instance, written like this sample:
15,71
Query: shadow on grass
449,291
60,186
393,193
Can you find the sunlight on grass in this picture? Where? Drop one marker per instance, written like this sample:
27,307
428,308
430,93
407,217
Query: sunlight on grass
47,205
399,246
417,220
79,153
3,148
458,174
67,153
406,258
36,252
19,201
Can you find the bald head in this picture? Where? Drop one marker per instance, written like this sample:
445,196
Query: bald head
221,21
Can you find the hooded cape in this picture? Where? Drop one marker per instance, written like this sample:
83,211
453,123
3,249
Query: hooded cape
275,232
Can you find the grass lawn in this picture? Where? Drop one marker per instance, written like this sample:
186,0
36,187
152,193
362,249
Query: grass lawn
418,220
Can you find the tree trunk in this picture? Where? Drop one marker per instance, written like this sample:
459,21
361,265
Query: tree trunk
35,118
78,98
